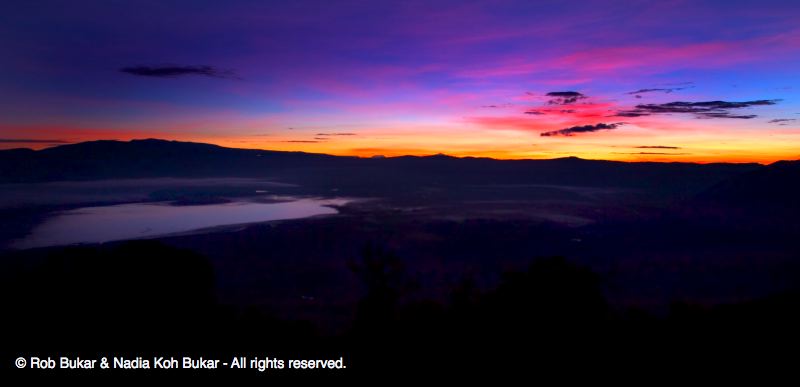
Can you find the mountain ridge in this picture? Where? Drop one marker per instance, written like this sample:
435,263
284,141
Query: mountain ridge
151,158
161,142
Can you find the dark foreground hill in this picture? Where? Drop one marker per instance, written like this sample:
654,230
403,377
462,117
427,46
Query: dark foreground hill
98,160
667,289
145,298
775,186
765,198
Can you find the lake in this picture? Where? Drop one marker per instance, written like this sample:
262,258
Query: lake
146,220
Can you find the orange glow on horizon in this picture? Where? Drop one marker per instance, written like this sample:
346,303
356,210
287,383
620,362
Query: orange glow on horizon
499,144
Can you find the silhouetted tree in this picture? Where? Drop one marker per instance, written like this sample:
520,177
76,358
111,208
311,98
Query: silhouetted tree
381,273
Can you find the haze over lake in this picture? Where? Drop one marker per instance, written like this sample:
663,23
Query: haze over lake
144,220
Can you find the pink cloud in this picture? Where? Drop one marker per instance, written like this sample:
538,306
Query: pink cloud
588,64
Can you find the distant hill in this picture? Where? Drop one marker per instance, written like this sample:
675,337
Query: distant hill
144,158
97,160
775,186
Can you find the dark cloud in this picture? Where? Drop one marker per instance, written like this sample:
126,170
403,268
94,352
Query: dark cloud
565,94
781,121
641,91
692,107
657,147
728,115
564,97
540,112
581,129
504,105
178,71
655,90
651,153
303,141
31,141
336,134
630,113
707,109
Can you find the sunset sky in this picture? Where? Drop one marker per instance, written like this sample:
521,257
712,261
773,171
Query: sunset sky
622,80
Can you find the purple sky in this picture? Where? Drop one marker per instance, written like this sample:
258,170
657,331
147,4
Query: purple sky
666,80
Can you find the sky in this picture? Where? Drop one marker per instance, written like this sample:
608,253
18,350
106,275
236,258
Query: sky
696,81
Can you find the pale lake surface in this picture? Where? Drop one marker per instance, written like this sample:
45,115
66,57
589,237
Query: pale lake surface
145,220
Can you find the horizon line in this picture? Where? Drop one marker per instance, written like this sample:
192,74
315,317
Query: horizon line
63,143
